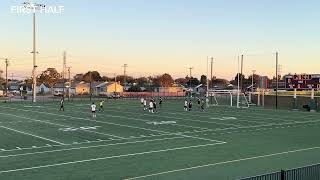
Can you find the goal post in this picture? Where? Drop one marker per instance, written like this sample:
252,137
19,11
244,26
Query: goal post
227,98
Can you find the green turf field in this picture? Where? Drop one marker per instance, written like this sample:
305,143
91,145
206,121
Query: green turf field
38,142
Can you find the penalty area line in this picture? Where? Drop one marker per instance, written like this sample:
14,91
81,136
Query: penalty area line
108,157
32,135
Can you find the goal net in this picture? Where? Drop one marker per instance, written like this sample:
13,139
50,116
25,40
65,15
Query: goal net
227,98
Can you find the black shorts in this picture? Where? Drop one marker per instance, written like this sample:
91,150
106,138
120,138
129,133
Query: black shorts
93,111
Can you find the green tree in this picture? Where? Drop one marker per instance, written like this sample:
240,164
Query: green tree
95,76
50,77
203,80
134,89
78,77
194,81
142,81
166,80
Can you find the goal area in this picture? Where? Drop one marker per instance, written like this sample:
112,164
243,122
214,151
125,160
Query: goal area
229,98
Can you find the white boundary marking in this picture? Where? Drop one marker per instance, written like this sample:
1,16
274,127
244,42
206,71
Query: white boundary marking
224,162
32,135
162,116
108,157
87,147
122,125
47,122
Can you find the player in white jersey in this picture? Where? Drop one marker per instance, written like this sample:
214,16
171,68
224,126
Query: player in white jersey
185,105
151,106
142,101
144,104
93,110
62,104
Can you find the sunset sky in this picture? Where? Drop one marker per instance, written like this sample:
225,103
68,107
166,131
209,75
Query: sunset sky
165,36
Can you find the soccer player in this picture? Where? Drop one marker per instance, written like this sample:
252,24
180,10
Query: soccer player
190,105
145,104
142,101
62,104
154,105
151,106
186,105
199,102
160,102
93,110
101,105
202,104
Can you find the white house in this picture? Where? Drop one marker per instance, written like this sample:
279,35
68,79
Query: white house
43,89
109,87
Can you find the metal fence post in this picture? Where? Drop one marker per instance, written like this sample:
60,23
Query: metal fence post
283,174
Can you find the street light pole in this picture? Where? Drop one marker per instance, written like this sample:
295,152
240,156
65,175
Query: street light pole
34,7
34,78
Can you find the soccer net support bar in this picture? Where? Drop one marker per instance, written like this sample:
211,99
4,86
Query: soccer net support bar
227,98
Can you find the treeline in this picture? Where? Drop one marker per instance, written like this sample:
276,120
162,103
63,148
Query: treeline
51,77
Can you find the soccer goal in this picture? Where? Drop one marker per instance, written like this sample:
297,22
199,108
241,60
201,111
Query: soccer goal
227,98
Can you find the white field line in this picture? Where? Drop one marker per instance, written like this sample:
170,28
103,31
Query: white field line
162,116
89,120
55,124
21,132
15,122
108,157
105,122
90,142
224,162
262,125
195,127
189,115
274,117
266,125
88,147
143,120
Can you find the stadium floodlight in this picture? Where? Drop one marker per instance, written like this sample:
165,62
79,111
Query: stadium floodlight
34,7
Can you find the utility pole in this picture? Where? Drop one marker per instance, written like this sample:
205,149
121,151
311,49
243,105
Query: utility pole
64,66
6,60
190,69
253,71
207,82
7,64
238,92
115,83
69,87
277,80
211,71
90,85
241,80
124,74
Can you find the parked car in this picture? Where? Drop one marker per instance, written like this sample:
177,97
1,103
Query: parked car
58,93
115,95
